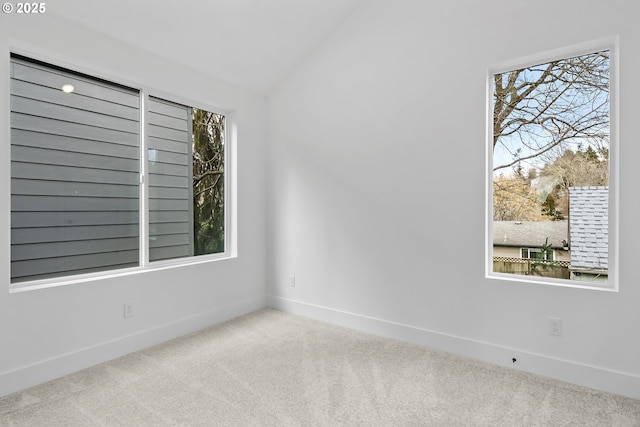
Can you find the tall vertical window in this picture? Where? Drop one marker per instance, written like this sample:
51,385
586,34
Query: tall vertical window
208,182
77,175
550,151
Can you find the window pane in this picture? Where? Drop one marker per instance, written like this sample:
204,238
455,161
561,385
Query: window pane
169,153
551,141
208,182
186,181
536,254
74,173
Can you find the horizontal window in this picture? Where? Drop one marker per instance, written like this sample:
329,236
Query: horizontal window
537,253
77,176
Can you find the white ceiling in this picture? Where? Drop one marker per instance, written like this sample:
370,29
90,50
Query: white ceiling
248,43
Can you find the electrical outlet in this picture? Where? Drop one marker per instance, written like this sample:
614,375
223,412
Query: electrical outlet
128,309
292,281
555,327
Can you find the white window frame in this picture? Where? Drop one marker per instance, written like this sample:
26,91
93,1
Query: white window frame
612,45
230,180
538,250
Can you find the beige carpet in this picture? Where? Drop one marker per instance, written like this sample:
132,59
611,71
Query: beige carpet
275,369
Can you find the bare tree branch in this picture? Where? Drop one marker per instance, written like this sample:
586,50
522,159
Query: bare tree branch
197,179
543,107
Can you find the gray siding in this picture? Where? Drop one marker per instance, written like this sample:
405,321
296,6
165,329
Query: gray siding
170,210
74,174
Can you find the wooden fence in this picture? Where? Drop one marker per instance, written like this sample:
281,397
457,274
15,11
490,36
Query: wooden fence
531,267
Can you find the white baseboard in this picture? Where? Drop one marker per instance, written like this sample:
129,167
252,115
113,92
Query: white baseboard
64,364
603,379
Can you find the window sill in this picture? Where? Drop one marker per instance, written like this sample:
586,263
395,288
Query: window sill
114,274
576,284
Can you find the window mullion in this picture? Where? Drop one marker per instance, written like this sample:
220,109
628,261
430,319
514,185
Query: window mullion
190,178
144,182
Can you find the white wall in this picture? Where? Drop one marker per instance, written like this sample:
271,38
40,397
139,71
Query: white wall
49,332
376,196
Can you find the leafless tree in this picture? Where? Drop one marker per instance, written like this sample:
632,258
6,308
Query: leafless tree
541,110
515,200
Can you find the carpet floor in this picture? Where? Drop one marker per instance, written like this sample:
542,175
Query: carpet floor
275,369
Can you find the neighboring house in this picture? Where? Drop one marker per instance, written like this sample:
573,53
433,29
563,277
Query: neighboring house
580,246
589,231
524,239
518,248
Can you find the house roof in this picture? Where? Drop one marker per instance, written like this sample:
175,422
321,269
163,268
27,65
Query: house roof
589,223
531,234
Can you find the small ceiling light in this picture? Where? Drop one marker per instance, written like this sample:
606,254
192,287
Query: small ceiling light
68,88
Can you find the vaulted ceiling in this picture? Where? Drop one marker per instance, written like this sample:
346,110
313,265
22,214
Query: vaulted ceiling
248,43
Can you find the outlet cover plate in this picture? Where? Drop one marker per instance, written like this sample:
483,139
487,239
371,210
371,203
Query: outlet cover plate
555,327
128,309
